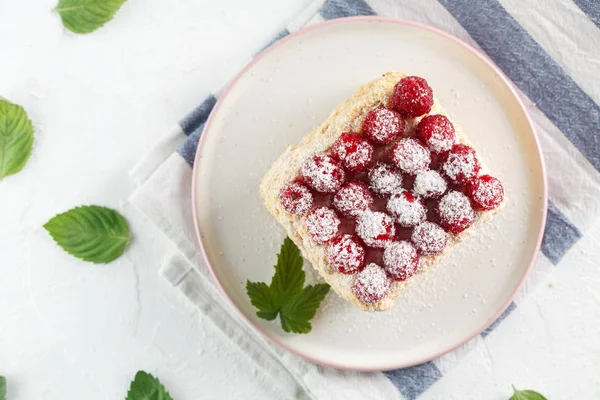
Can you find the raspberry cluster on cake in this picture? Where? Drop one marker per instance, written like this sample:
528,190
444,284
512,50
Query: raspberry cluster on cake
381,190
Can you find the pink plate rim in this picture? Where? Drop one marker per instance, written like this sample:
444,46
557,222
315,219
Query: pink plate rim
220,101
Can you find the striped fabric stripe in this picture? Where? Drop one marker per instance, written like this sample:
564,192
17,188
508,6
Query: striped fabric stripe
591,9
530,68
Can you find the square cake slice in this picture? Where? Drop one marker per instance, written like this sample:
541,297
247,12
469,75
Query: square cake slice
381,190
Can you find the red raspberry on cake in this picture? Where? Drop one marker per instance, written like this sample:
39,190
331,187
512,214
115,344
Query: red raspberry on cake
400,260
461,164
346,254
410,156
375,228
437,132
354,151
296,198
429,238
455,212
353,199
371,284
322,224
412,97
383,125
323,173
408,209
429,184
486,192
384,179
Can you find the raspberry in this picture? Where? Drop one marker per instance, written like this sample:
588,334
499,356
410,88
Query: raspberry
486,192
322,224
430,184
353,199
384,179
371,284
461,164
400,260
410,156
437,132
429,238
296,198
408,209
375,228
323,173
346,254
383,125
412,97
455,212
354,152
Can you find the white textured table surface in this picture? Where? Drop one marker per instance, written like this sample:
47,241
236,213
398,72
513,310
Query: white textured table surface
69,329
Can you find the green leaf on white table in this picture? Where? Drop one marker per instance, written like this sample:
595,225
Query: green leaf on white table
92,233
85,16
147,387
286,295
16,138
2,388
526,395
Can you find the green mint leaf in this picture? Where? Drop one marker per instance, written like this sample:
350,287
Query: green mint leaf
147,387
92,233
85,16
301,308
287,296
526,395
16,138
2,388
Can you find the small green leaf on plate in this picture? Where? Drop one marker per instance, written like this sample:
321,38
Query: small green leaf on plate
526,395
2,388
92,233
85,16
147,387
16,138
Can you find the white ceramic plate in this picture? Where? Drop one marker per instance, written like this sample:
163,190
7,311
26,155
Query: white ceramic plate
293,86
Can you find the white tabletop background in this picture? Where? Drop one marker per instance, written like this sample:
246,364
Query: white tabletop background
71,330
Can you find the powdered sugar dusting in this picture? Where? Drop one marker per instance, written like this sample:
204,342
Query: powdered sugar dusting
296,198
385,180
353,199
346,254
430,184
437,132
408,209
429,238
461,164
322,224
323,173
400,260
375,228
455,212
410,156
354,151
383,125
486,192
371,284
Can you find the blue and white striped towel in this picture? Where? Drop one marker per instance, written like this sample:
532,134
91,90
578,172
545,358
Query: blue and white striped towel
548,48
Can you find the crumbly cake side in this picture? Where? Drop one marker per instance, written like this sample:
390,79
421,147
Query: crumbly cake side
349,116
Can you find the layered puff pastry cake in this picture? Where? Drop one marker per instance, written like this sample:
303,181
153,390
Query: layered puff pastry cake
380,190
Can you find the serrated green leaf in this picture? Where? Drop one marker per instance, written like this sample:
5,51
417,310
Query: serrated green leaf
16,138
85,16
92,233
2,388
147,387
262,298
297,311
286,296
526,395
